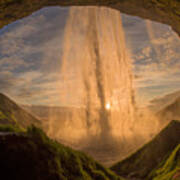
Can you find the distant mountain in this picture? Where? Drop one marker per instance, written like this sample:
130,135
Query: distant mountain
11,113
170,112
158,104
142,162
44,112
33,156
54,117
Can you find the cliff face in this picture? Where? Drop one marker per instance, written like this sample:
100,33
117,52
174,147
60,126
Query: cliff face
164,11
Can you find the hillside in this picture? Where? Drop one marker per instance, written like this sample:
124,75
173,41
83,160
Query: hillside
170,169
33,156
43,112
174,107
11,113
160,103
142,162
58,115
172,111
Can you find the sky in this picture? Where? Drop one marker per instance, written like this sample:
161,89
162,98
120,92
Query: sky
31,49
156,58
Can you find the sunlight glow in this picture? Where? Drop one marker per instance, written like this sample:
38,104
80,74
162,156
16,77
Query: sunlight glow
108,106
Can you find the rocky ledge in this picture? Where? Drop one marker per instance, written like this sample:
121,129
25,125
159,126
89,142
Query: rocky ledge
163,11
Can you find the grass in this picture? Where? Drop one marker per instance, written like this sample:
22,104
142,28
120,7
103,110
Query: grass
141,163
33,153
2,115
169,168
74,163
11,113
10,128
7,118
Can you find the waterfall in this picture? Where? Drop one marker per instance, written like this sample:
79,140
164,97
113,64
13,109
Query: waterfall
95,55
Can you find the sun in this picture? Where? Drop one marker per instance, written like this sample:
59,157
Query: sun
108,106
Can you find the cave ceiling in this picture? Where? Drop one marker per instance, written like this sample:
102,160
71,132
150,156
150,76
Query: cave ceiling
163,11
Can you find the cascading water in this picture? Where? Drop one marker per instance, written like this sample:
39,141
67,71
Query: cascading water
95,55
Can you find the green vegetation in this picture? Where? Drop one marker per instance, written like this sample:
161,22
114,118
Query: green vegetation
7,118
11,113
169,168
141,163
74,163
30,152
34,154
10,128
2,115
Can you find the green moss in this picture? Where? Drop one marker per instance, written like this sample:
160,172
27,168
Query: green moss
33,153
75,164
13,118
151,155
9,117
11,113
10,128
2,115
169,167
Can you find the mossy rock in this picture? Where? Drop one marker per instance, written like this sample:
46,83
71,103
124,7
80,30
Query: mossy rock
32,155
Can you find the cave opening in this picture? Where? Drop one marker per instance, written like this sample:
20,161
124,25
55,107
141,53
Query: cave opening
91,74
